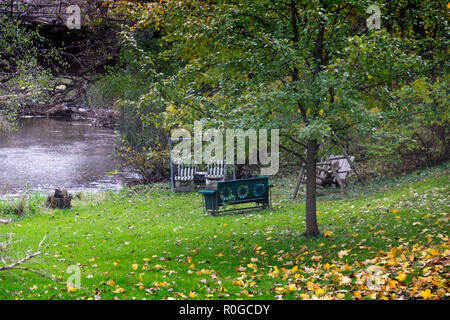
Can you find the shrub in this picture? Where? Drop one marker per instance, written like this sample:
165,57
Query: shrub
20,206
143,145
420,140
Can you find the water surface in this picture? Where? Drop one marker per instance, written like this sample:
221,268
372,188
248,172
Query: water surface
47,153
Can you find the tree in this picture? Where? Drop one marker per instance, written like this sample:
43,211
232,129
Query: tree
23,76
422,139
310,68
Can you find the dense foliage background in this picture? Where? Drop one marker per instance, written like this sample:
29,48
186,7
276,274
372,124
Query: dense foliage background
182,61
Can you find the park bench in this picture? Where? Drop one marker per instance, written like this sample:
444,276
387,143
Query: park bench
216,172
254,190
343,166
184,180
331,171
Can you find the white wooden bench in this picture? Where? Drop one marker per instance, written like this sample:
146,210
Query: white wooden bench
216,172
184,180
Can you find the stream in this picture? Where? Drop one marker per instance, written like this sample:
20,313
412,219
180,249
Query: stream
46,153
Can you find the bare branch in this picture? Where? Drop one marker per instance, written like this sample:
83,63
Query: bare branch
17,263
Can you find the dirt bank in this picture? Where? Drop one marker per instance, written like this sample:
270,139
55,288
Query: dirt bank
97,117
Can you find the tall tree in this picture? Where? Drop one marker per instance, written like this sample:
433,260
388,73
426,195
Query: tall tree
22,74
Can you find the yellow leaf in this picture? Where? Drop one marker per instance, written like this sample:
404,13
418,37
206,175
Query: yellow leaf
71,289
134,266
320,291
426,294
119,290
238,282
393,283
434,252
161,284
291,287
401,276
328,234
251,266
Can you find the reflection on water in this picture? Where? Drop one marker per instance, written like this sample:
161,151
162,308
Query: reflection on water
48,153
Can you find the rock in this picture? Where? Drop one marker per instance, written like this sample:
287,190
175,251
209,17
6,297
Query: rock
60,200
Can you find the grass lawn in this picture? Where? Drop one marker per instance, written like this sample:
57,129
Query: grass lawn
387,240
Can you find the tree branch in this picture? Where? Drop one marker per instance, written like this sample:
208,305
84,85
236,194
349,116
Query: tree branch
293,152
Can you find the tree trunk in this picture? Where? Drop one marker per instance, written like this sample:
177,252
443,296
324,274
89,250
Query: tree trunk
312,228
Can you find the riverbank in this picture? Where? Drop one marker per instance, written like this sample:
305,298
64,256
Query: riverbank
97,117
147,243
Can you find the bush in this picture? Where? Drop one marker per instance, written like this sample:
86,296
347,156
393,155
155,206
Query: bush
422,139
21,206
143,144
152,164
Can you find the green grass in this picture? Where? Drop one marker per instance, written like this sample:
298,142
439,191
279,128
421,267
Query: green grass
152,244
25,205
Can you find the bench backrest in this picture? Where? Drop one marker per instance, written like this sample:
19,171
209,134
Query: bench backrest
244,190
344,165
186,170
216,169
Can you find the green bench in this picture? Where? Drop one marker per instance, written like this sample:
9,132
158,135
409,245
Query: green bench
255,190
